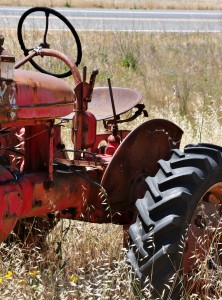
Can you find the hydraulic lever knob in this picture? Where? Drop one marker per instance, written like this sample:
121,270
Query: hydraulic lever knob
93,77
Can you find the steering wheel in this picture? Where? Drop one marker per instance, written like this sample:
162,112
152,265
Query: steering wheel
44,43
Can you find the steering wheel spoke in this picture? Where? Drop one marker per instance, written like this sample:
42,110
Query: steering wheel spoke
45,44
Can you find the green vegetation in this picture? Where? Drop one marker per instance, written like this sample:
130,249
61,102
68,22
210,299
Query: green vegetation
129,61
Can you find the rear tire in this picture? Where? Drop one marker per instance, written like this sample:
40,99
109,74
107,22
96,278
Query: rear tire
182,203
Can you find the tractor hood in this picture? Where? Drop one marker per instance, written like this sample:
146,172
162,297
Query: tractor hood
33,95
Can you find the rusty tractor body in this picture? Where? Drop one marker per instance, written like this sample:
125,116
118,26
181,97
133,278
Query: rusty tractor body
107,172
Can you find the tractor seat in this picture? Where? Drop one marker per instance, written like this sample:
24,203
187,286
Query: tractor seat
100,105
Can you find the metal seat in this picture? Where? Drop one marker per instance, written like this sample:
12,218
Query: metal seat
124,99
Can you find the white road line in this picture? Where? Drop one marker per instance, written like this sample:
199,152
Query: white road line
123,19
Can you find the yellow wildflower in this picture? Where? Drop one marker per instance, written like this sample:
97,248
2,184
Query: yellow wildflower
8,275
34,273
1,280
73,278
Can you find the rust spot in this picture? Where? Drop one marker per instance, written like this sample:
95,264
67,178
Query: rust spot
37,203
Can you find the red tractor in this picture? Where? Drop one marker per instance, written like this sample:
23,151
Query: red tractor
167,199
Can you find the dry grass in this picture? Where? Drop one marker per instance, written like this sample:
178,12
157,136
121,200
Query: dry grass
179,76
166,67
84,261
129,4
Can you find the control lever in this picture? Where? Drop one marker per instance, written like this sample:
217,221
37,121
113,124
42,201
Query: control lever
115,125
84,74
92,80
95,72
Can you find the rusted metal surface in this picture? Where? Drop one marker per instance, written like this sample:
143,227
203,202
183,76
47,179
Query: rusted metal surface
74,191
134,160
83,92
11,202
31,196
84,130
124,99
34,96
45,96
53,53
25,59
71,65
69,191
99,162
101,106
42,142
103,137
83,122
45,181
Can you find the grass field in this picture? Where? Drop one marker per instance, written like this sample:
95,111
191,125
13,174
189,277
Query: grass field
129,4
180,77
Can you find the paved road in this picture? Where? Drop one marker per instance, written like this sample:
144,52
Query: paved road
124,20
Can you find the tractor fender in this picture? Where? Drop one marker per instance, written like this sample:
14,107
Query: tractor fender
136,158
